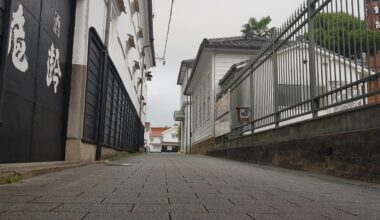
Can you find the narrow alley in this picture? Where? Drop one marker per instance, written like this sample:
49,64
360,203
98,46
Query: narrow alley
172,186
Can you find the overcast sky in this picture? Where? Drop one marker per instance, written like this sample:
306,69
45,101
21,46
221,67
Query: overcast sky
192,21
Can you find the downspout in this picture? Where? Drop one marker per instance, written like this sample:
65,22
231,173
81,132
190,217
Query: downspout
108,23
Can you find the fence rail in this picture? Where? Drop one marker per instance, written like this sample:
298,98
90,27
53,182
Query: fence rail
325,59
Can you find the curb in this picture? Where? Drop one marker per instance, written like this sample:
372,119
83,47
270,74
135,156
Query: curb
22,173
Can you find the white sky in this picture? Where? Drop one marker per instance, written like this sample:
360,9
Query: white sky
194,20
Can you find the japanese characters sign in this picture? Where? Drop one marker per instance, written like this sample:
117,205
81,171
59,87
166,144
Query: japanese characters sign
54,73
17,44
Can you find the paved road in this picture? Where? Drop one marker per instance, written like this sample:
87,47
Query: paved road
176,187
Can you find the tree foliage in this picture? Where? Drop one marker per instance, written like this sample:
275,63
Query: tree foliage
345,34
257,27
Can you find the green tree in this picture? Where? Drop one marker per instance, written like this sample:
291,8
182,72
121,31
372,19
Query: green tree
257,27
345,34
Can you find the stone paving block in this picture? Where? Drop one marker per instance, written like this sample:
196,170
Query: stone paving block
225,209
48,199
209,216
126,200
42,216
181,208
286,217
16,198
259,209
111,208
128,216
33,207
181,195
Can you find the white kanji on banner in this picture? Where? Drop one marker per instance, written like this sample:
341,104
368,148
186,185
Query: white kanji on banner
17,44
53,69
57,24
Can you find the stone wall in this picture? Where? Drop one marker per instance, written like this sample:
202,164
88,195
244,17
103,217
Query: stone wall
345,145
203,147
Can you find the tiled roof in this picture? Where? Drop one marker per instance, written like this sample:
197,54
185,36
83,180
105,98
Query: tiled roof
240,42
157,132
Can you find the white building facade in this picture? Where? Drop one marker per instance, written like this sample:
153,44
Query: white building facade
125,30
164,139
184,114
214,59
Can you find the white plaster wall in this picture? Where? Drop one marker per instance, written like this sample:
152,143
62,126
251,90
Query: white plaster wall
167,136
203,125
223,62
123,58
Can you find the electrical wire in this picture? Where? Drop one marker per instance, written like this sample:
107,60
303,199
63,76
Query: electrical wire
167,34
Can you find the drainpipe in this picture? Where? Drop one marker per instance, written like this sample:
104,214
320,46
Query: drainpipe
108,23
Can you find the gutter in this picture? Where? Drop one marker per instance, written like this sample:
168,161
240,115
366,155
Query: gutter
151,35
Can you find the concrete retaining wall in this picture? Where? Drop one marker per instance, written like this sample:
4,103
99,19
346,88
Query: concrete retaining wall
345,145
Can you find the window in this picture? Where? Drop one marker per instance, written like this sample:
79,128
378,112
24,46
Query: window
204,97
174,136
200,107
151,139
209,96
131,42
136,7
195,116
136,65
140,33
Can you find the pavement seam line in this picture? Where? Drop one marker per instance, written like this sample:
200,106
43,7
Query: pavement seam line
170,216
57,207
326,217
294,203
133,207
232,202
79,194
205,208
346,211
249,215
101,202
252,196
34,199
85,216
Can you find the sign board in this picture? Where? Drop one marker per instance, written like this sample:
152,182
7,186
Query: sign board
243,114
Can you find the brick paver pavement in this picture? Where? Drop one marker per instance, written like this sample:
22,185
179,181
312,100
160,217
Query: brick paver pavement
176,187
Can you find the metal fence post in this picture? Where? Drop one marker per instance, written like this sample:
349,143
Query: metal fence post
102,106
252,98
275,79
312,57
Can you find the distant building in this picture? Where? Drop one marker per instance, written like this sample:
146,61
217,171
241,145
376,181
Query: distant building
164,139
214,59
184,114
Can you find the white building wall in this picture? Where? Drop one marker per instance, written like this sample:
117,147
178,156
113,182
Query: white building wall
223,62
171,135
202,111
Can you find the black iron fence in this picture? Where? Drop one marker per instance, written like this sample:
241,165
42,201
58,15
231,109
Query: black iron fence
325,59
111,119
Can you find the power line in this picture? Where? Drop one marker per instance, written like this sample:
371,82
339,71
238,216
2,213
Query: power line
167,34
